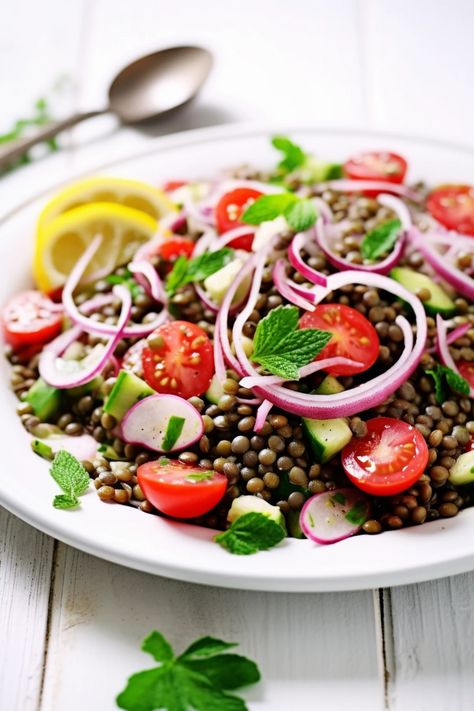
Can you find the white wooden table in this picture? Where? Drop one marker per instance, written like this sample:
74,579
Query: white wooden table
70,624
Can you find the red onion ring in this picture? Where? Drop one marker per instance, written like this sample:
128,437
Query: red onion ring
151,282
452,336
281,282
261,416
252,381
296,261
443,349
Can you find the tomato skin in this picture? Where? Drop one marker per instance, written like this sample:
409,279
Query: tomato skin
172,185
389,459
175,247
183,361
342,320
169,489
376,165
29,320
453,206
466,368
228,211
132,358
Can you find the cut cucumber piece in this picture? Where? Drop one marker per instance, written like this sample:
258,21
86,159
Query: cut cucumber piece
293,522
44,399
253,504
462,472
215,391
329,386
327,437
439,303
127,391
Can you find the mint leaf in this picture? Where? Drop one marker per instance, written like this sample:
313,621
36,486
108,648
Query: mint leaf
301,215
71,477
173,431
250,533
357,514
186,271
293,155
268,207
456,382
127,280
380,240
446,377
440,389
196,680
281,348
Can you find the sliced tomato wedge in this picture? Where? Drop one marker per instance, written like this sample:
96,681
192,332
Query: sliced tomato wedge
453,206
228,211
180,490
175,247
353,336
466,368
376,165
390,458
31,319
178,358
132,359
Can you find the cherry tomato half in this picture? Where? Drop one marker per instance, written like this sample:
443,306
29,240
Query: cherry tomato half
178,359
353,336
376,165
132,358
466,368
228,212
175,247
180,490
390,458
453,206
30,319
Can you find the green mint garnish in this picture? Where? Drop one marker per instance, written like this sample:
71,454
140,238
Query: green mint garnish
293,155
250,533
196,680
445,377
303,165
357,514
380,240
173,431
281,347
71,477
42,449
186,271
300,213
200,476
128,281
339,498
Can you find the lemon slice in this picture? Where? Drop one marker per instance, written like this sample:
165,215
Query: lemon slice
60,243
130,193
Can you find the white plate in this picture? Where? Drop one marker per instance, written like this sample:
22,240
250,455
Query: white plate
152,544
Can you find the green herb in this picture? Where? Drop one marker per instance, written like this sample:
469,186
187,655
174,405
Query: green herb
380,240
173,431
127,280
250,533
281,347
293,155
445,377
305,166
311,520
196,680
357,514
186,270
42,449
72,478
41,116
339,498
300,213
201,476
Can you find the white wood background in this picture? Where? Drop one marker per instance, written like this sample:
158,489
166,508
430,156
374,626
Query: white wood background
70,624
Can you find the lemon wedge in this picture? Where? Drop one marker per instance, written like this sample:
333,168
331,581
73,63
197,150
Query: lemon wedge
62,240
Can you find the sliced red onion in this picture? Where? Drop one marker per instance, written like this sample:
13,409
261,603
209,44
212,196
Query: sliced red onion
60,373
252,381
453,336
298,242
262,413
281,282
152,282
308,294
443,349
204,242
398,207
358,186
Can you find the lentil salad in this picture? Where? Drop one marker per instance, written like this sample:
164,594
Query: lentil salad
275,458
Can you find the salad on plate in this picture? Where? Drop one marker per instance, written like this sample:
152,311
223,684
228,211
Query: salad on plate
269,353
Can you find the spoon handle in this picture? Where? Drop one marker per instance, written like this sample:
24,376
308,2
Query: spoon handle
16,150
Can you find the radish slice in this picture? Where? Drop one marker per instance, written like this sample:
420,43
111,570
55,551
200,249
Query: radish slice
163,423
84,447
334,515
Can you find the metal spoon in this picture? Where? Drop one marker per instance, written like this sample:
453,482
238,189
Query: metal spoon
149,87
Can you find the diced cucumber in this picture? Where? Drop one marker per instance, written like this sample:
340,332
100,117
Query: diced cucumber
329,386
327,437
215,391
462,472
127,391
246,504
44,399
438,303
293,521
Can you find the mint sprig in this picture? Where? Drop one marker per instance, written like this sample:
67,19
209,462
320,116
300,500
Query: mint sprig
281,347
300,213
251,533
445,378
196,680
296,162
293,155
186,271
71,477
380,240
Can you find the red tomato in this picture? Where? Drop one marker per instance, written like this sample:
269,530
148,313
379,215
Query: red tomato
132,359
180,490
453,206
173,185
30,319
178,359
466,368
353,336
228,212
376,165
175,247
390,458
